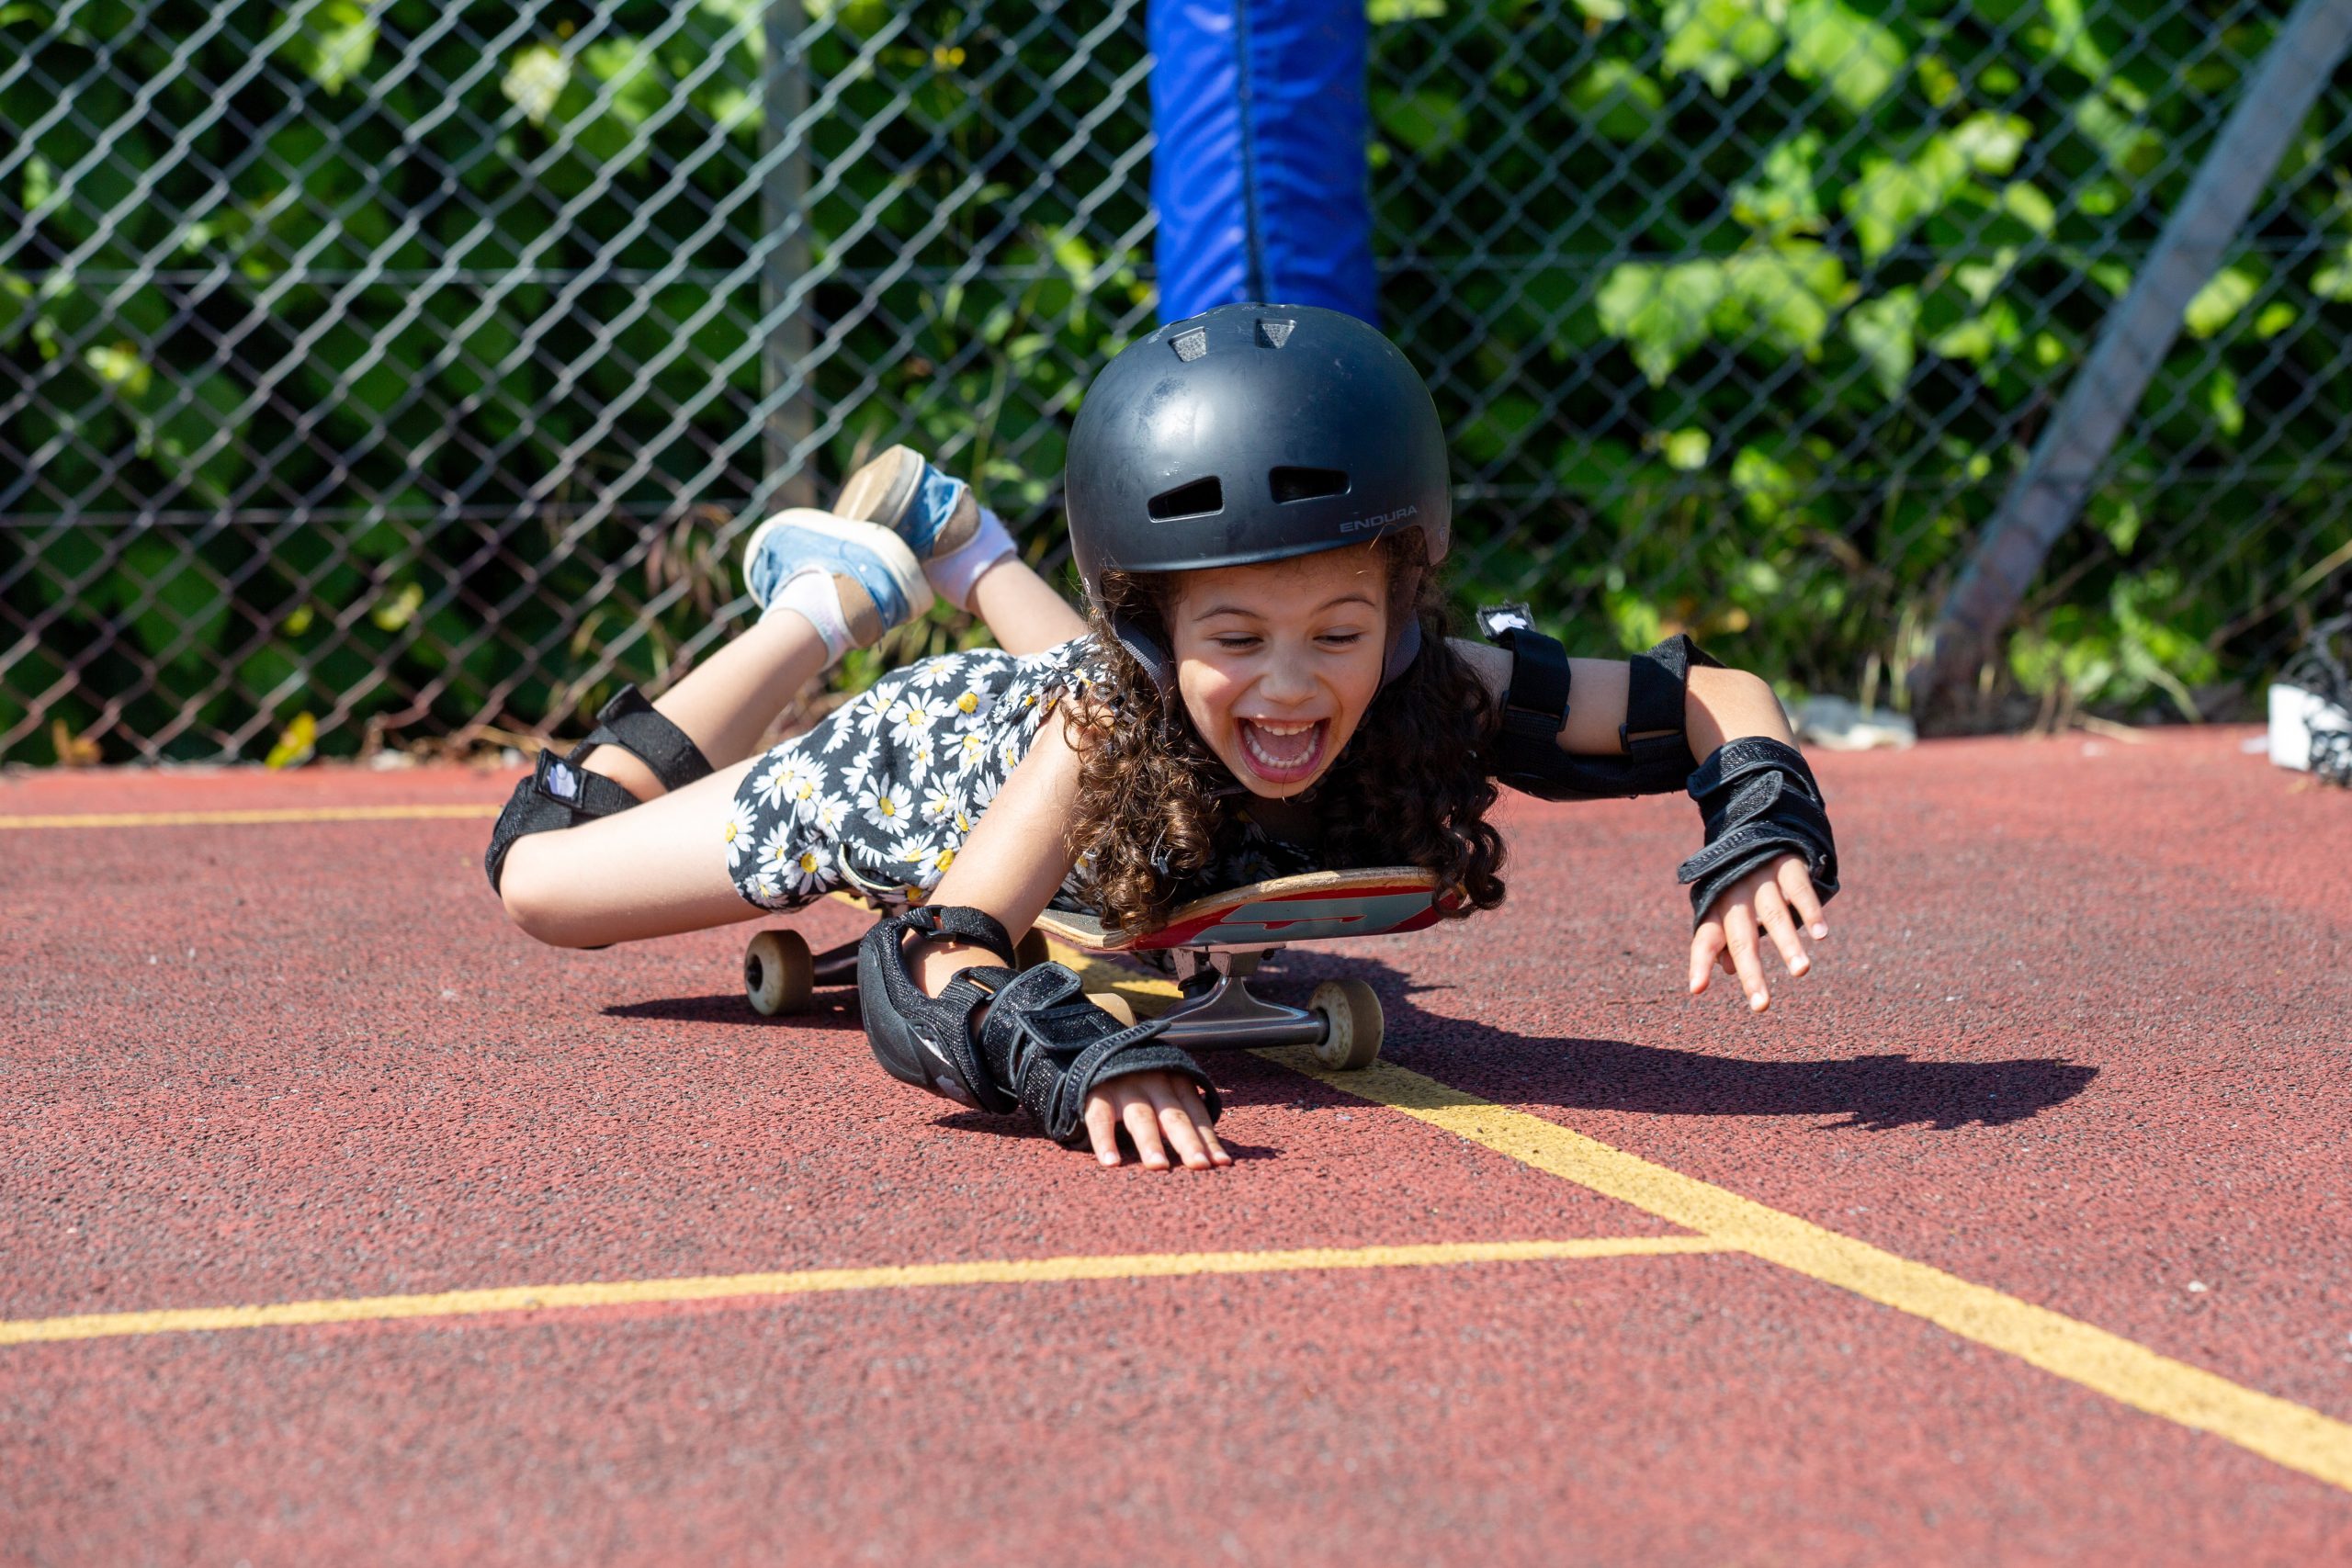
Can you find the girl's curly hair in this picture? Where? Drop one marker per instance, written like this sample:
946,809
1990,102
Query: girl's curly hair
1155,803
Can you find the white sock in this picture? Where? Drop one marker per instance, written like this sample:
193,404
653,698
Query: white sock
953,574
809,593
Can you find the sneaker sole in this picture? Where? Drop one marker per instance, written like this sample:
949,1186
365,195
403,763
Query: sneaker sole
881,492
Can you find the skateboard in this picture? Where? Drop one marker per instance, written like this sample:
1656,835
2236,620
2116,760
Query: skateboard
1218,943
1213,944
780,973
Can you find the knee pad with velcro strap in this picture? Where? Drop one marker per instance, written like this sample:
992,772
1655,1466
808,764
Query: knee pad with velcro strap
560,792
1759,801
1044,1046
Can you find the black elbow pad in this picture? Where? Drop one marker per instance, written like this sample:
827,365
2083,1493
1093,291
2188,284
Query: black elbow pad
1526,755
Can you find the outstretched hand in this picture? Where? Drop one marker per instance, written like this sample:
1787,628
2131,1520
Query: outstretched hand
1160,1111
1776,898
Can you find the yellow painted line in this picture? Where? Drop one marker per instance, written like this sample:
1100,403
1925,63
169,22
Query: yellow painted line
2276,1428
815,1281
2279,1429
246,818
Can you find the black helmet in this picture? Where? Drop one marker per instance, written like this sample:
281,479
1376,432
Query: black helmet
1253,432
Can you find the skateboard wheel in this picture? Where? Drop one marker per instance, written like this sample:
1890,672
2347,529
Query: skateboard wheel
778,973
1352,1019
1032,950
1114,1004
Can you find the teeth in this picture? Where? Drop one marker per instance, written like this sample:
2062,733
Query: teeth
1250,739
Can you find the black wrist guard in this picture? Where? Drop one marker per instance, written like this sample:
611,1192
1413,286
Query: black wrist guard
1044,1046
1759,801
1526,753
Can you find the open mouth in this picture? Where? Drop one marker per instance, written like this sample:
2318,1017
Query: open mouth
1283,753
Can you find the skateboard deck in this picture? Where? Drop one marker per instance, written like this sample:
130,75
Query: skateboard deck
1318,905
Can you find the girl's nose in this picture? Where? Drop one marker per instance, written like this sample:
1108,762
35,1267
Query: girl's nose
1287,678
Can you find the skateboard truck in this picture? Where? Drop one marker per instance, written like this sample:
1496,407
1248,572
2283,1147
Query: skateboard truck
1213,945
1218,1011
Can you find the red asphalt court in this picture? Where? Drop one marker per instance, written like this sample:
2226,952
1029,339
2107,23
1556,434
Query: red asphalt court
2040,1245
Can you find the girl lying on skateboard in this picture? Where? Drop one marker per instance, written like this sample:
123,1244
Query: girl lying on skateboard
1258,503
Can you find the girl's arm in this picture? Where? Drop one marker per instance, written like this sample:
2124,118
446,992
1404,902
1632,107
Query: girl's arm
1015,857
1720,705
1776,901
1009,866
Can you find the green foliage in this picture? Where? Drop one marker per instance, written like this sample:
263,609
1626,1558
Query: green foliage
424,380
1813,274
418,375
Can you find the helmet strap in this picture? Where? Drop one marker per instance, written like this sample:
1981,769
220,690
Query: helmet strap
1147,650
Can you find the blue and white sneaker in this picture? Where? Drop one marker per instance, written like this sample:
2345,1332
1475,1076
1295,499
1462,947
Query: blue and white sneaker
877,579
933,512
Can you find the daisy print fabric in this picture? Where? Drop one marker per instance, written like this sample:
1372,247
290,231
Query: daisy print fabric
880,795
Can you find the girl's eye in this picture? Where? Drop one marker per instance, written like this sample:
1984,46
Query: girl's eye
1237,644
1343,640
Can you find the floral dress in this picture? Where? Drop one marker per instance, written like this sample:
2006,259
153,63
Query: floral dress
880,795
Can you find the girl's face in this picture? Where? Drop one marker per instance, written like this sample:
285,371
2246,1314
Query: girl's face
1277,663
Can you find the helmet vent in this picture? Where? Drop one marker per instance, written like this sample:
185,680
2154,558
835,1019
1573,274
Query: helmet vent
1190,346
1273,334
1201,497
1307,484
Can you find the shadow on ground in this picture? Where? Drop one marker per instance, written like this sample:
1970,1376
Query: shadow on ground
1879,1092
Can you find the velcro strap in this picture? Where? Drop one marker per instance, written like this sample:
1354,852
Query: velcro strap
630,722
1044,1036
1535,700
1657,685
1536,703
961,922
1759,801
565,781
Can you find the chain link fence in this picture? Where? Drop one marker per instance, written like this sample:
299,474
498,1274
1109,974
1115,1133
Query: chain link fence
384,374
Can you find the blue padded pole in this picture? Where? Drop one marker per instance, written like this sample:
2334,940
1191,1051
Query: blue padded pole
1257,170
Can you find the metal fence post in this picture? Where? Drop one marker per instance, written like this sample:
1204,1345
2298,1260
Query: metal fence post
784,355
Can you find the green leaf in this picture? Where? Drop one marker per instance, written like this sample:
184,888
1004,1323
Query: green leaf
627,67
1721,39
1661,311
1893,197
1981,337
1937,79
1786,295
16,306
1782,200
2276,318
2215,306
535,77
2029,205
1387,12
1617,100
1685,451
297,745
1765,484
332,43
2334,281
2126,145
2221,398
1991,143
1981,280
1427,122
1884,332
1857,59
2072,39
